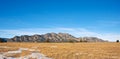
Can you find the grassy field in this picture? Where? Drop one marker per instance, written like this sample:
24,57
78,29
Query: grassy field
68,50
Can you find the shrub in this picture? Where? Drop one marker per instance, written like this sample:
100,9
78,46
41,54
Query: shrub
117,40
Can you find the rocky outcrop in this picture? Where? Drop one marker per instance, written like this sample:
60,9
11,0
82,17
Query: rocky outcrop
53,37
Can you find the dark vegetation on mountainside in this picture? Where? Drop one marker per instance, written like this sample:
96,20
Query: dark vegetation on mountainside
3,39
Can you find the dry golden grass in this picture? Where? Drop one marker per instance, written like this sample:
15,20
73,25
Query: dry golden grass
72,50
7,49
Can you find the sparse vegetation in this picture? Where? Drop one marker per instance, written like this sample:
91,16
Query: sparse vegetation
70,50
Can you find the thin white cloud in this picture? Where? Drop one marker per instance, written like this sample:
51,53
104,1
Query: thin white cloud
108,23
68,29
78,32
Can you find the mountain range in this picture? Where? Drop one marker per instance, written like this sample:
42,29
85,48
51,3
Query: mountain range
53,37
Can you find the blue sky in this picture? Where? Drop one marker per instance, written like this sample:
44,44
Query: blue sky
100,18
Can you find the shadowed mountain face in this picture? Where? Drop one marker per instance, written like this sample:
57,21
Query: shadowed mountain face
53,37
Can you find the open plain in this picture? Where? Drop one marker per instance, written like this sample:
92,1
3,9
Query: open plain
60,50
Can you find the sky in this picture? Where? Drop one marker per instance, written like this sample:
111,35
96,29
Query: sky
96,18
